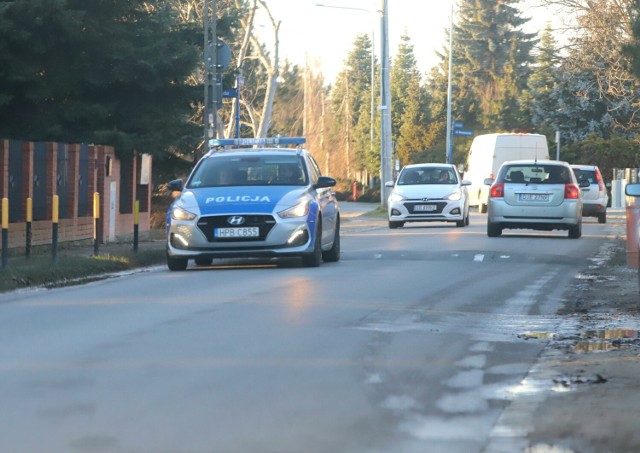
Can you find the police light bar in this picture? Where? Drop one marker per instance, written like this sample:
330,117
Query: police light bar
257,141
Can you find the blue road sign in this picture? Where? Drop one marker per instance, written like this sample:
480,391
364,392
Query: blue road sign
230,93
462,132
458,124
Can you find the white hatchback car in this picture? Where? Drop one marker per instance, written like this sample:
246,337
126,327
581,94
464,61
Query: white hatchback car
428,193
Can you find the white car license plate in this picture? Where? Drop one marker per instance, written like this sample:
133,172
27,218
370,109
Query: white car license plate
425,207
246,232
533,197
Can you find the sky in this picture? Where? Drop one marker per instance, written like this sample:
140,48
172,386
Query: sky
325,35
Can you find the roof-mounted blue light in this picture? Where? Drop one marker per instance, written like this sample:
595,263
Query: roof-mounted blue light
257,141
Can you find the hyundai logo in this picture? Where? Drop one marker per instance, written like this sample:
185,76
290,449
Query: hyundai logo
425,199
236,220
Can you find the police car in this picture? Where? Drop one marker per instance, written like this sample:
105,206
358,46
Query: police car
264,201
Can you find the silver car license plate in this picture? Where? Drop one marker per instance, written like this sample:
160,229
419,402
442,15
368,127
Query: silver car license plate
533,197
425,207
246,232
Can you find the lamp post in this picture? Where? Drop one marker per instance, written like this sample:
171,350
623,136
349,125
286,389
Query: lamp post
373,71
385,104
449,143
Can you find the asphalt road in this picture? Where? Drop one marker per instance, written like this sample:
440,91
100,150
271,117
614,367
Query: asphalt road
415,341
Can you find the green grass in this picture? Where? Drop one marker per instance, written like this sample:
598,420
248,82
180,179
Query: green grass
40,270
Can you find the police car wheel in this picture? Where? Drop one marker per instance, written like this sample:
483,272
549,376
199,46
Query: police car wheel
177,264
314,258
333,254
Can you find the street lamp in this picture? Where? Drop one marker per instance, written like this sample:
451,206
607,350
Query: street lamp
449,142
373,71
385,104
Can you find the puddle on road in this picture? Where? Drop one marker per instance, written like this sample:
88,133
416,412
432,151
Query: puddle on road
607,340
592,340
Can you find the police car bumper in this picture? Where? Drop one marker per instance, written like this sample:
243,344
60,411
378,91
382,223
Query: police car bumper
264,238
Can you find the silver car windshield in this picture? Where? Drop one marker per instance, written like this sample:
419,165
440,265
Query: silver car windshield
222,171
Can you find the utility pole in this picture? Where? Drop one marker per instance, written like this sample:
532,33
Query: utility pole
210,119
385,107
449,141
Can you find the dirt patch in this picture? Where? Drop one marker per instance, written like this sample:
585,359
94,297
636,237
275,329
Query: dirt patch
597,372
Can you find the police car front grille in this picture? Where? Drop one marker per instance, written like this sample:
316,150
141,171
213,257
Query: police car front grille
208,224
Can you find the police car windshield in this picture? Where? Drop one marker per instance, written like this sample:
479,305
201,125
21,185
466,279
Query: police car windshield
223,171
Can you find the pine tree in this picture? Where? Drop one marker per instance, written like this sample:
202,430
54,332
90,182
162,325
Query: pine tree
112,73
538,99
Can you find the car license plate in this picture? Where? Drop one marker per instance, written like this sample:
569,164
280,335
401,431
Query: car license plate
246,232
425,207
533,197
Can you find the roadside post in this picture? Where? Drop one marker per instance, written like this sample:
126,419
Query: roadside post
96,222
28,233
5,232
632,209
54,227
136,222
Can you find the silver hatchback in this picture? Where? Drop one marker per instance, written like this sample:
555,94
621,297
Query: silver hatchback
538,195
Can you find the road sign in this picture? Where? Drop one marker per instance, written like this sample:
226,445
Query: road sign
223,54
462,132
229,93
458,124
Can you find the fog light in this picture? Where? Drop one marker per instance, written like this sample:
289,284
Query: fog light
394,211
455,211
178,241
299,237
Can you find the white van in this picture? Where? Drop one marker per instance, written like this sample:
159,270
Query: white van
489,151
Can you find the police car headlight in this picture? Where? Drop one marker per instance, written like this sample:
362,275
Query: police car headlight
178,213
299,210
394,197
455,196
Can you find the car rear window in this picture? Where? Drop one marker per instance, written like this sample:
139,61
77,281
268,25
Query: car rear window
585,175
535,174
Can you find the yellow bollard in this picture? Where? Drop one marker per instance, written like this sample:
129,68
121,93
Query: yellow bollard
54,225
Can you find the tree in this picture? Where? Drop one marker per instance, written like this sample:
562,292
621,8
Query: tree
404,72
492,55
538,100
350,98
113,73
599,65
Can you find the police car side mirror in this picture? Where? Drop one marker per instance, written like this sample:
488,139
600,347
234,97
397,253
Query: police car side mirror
175,185
324,182
488,181
389,184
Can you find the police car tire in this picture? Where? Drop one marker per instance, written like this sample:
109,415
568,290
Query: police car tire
314,258
333,254
177,264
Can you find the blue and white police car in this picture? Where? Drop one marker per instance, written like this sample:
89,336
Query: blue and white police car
264,201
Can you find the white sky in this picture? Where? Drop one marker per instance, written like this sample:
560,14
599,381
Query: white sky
326,35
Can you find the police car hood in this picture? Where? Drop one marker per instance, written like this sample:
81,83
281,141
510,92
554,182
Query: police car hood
426,190
241,199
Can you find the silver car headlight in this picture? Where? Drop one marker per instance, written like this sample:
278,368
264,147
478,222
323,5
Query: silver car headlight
395,197
299,210
178,213
455,196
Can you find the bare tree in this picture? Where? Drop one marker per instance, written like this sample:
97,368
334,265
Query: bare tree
603,28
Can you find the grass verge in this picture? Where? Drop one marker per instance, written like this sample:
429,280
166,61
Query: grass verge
40,271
